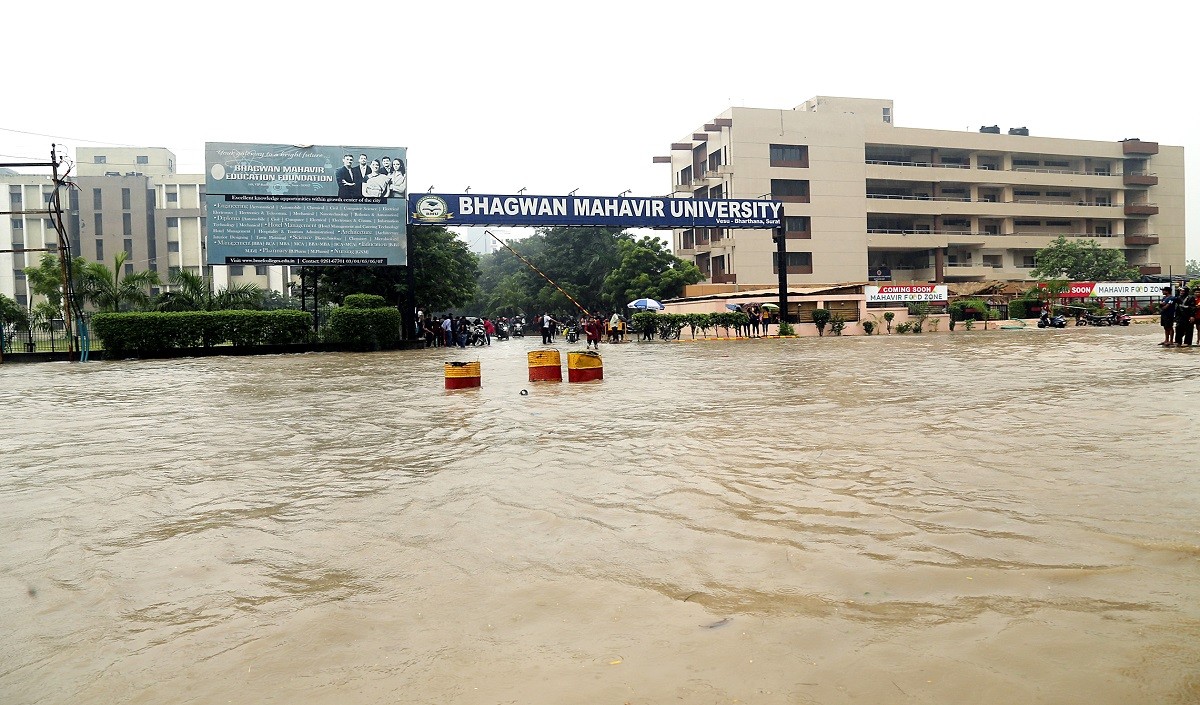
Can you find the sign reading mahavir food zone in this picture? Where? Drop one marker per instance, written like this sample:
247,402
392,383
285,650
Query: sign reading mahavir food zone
306,205
904,293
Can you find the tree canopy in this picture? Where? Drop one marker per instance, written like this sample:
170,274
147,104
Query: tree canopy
1082,261
600,268
194,292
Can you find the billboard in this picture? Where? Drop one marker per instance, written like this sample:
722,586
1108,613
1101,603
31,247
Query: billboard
903,293
1091,290
600,211
306,205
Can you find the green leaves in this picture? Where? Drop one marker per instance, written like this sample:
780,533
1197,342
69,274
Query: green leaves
1084,260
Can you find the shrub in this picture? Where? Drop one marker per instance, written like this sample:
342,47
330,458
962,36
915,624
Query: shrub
903,328
837,324
888,317
154,332
364,301
820,317
1019,308
786,329
364,329
868,327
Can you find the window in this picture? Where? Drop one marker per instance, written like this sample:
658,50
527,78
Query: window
714,161
1028,223
18,273
789,155
797,227
172,222
14,194
97,200
18,224
789,190
1104,200
47,196
129,269
1022,192
172,246
887,115
99,250
685,176
1059,194
172,197
235,270
143,159
99,159
797,262
172,271
1027,262
1056,164
261,270
993,261
127,223
716,192
52,246
1025,162
125,198
128,246
1102,230
98,221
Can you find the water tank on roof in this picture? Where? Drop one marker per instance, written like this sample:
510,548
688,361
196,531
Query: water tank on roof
1024,131
993,129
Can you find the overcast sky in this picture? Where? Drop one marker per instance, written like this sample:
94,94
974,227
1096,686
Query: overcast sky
556,96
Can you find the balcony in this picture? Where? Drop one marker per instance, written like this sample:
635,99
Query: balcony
723,278
1148,269
1141,209
1141,240
1136,146
1139,179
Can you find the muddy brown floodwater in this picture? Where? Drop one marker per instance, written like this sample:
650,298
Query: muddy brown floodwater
976,517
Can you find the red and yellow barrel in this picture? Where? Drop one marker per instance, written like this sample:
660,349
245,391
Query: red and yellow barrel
545,366
462,375
585,366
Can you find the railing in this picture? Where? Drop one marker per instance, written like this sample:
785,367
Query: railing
24,339
957,199
1031,201
984,167
1042,202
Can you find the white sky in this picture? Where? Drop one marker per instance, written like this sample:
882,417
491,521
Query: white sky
554,96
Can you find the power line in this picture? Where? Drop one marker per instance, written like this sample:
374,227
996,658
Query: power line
64,137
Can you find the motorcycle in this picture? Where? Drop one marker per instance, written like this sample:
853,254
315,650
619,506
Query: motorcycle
572,333
518,329
1046,321
1119,318
502,332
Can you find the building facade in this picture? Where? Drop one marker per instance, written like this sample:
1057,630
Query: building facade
866,200
124,199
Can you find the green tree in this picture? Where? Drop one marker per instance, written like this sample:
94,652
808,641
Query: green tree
1081,261
12,313
647,269
1193,268
445,273
194,292
111,290
45,279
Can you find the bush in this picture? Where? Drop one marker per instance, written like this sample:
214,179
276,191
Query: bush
364,301
153,332
820,316
364,329
1019,308
786,329
868,327
904,327
837,324
888,317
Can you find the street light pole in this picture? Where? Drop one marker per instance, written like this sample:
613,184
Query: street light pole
781,257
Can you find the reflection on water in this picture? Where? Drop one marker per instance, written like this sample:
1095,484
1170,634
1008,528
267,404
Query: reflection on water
972,517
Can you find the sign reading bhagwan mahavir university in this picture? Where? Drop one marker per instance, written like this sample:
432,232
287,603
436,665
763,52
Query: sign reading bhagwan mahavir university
311,205
600,211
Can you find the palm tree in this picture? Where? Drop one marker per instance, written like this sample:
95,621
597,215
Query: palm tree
110,291
195,293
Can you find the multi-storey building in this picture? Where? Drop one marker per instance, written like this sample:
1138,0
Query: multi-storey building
864,199
124,199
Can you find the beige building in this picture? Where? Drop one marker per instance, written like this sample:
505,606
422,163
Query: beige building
866,199
125,199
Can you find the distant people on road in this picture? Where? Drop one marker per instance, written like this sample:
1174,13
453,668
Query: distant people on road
1185,311
594,329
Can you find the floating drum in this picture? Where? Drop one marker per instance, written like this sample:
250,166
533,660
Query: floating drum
462,375
584,366
545,366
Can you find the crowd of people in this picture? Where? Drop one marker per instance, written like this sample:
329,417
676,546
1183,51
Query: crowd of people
383,177
1178,317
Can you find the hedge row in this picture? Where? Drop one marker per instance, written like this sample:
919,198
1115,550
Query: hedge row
364,329
154,331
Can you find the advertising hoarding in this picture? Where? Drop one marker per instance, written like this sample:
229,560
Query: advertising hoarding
1102,290
306,205
904,293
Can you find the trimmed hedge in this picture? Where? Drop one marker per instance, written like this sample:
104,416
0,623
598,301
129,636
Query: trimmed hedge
363,329
155,331
364,301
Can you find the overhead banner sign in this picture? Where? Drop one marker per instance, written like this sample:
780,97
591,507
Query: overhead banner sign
903,293
310,205
1102,290
601,211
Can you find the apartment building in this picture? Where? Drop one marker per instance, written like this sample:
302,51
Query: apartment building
125,199
867,200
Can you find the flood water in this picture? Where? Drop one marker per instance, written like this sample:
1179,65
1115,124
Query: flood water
974,517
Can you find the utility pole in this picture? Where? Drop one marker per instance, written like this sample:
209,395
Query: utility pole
780,238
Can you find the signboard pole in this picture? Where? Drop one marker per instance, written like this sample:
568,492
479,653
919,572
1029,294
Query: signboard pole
410,298
781,257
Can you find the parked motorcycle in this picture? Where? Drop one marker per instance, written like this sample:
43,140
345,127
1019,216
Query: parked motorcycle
1047,321
1119,318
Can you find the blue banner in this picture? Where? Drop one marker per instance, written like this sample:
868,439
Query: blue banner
601,211
307,205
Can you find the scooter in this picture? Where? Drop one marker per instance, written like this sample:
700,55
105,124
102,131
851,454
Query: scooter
502,332
1047,322
1119,318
